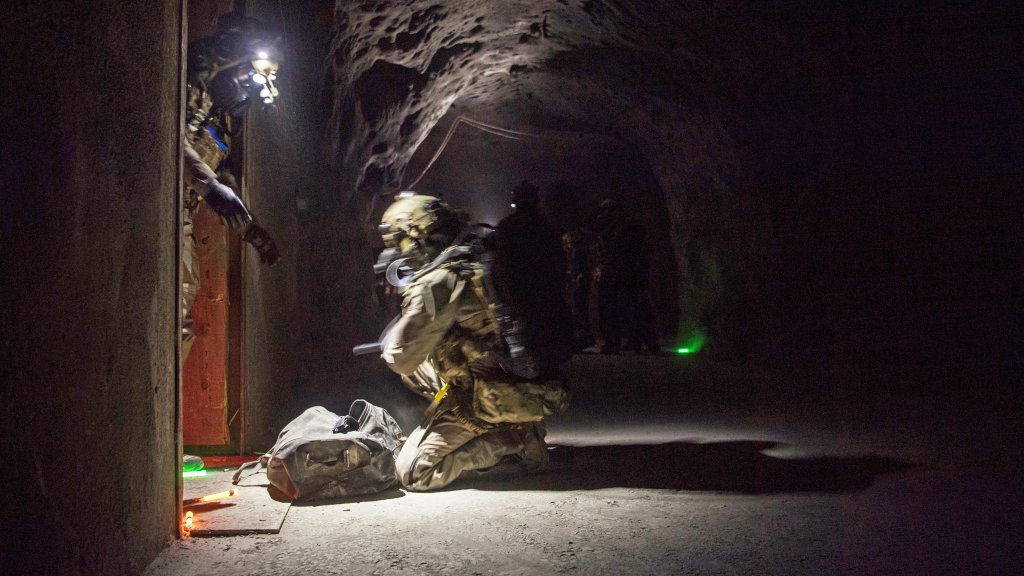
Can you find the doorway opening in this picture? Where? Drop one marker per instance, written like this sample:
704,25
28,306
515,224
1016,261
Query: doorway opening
211,378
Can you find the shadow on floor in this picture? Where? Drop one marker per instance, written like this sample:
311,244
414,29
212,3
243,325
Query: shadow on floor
737,466
389,494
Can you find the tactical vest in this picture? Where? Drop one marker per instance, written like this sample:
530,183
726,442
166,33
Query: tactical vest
211,149
472,362
204,134
473,341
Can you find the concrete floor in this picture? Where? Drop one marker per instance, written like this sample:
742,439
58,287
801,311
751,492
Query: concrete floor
662,467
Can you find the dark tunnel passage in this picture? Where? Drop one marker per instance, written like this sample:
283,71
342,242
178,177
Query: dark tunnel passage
599,114
575,172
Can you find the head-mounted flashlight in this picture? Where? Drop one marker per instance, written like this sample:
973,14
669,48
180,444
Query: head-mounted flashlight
264,73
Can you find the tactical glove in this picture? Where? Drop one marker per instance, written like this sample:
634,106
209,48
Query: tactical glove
227,205
259,239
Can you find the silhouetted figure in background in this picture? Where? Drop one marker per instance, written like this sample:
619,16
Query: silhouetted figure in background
635,295
578,246
622,279
610,254
530,267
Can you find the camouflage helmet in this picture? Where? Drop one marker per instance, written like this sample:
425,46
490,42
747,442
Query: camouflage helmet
419,226
239,64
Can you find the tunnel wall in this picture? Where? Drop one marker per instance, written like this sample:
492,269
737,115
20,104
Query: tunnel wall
303,316
89,225
278,159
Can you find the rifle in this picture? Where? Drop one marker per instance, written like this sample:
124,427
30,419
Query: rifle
391,268
368,348
378,346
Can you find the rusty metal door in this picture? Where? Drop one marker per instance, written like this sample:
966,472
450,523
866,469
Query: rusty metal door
209,406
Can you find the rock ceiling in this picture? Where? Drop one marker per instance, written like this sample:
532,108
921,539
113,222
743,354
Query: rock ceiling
637,70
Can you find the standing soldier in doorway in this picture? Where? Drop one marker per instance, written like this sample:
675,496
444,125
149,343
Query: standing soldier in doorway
226,74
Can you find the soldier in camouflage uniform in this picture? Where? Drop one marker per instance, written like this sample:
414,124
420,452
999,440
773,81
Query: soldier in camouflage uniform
448,345
225,74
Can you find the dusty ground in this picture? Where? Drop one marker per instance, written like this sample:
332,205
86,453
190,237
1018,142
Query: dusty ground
680,472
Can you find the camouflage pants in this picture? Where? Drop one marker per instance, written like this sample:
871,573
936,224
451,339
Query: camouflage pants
189,283
438,453
475,429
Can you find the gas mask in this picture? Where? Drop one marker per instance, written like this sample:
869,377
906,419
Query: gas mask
235,89
241,61
415,229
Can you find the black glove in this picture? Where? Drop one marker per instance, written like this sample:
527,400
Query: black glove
259,239
227,205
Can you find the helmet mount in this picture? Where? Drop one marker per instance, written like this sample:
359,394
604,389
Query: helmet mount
241,62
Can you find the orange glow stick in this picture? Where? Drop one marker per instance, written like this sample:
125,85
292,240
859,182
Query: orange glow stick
210,497
186,525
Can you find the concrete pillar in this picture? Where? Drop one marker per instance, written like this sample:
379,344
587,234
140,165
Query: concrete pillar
88,233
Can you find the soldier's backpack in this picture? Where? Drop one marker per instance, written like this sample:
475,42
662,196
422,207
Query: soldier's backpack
321,455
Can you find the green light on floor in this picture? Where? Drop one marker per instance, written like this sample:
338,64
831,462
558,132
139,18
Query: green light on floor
193,473
692,343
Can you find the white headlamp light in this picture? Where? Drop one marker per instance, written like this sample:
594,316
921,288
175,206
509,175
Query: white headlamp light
265,73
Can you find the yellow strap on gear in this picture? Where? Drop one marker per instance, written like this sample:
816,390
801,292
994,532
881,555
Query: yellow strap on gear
429,412
441,393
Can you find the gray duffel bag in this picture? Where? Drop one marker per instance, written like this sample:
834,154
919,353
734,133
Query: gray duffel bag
321,455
